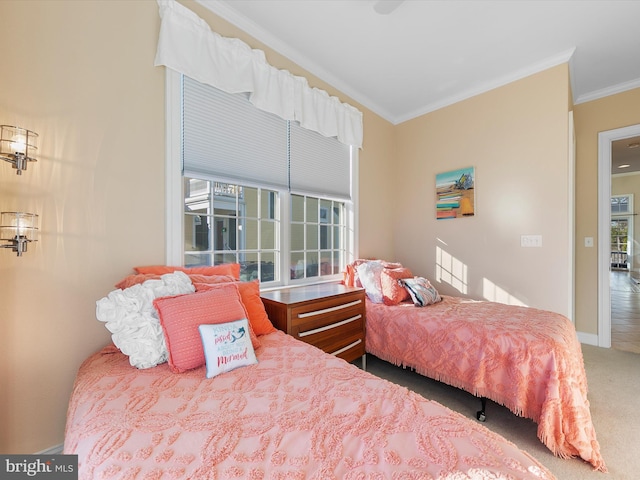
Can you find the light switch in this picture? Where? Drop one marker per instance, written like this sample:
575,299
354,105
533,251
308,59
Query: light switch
588,241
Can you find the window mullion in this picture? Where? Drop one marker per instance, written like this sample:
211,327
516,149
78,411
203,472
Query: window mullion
285,236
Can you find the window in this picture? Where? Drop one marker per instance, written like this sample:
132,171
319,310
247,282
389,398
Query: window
317,237
255,189
225,223
620,204
620,235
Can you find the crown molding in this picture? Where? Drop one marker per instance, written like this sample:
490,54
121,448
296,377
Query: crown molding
605,92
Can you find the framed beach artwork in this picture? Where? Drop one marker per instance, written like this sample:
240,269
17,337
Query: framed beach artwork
455,193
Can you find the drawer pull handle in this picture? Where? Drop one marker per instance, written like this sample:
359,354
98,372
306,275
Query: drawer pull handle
344,349
330,309
329,327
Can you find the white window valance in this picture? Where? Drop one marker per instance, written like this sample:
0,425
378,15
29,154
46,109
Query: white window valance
189,46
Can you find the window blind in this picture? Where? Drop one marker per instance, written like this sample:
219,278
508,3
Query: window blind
319,165
225,135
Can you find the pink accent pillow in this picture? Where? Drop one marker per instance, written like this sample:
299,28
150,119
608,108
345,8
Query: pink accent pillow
180,317
392,291
232,269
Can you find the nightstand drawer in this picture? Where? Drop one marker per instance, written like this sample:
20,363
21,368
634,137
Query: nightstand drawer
329,316
330,336
327,311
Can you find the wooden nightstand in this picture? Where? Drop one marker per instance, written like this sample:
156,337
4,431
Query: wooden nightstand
329,316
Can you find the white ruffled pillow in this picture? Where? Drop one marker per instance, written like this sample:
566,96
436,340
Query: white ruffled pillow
133,321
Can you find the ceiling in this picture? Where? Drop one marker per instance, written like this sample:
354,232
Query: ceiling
424,55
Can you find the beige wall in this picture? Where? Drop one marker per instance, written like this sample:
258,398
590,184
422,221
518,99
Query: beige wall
81,74
516,137
609,113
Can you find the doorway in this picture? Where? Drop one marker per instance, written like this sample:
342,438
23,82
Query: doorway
622,226
605,157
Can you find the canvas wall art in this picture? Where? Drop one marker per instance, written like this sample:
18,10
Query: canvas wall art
455,193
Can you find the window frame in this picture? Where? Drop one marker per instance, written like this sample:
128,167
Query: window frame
174,195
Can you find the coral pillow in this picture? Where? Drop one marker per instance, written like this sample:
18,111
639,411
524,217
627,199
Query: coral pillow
232,269
180,317
199,279
394,292
131,280
227,346
196,279
250,294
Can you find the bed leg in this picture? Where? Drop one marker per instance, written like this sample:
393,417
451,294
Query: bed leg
364,362
481,415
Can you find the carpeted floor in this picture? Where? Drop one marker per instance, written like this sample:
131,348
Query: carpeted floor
614,395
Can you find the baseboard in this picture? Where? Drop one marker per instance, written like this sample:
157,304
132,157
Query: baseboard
55,450
588,338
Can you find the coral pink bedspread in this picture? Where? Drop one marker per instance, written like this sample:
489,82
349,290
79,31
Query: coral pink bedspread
297,414
526,359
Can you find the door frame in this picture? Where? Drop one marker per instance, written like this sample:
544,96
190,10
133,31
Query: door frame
604,227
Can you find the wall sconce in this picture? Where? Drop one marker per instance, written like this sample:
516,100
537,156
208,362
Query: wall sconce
19,229
17,146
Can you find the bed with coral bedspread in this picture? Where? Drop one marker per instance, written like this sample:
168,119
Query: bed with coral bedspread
526,359
297,413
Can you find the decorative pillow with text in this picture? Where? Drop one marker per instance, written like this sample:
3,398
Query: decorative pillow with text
227,346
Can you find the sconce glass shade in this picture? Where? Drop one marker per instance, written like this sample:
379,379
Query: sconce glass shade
19,229
17,146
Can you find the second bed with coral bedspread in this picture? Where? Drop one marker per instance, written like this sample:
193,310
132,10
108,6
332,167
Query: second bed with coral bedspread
526,359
